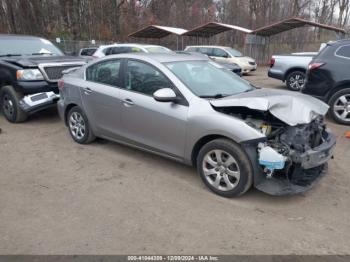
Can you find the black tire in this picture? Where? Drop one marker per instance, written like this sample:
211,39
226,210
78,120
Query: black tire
242,162
9,100
334,101
293,80
87,136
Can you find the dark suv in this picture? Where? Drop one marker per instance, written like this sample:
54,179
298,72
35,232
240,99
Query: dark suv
29,71
328,78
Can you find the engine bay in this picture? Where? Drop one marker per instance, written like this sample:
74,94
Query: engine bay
282,151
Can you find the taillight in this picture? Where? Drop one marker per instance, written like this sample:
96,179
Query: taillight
60,84
272,61
315,65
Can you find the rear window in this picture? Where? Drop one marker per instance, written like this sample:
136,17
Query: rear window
88,51
343,51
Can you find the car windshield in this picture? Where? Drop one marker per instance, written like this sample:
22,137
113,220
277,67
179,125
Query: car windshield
158,49
233,52
28,46
207,79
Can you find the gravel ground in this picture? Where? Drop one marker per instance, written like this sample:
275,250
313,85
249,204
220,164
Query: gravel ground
58,197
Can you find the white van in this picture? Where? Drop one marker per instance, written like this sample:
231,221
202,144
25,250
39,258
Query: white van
226,54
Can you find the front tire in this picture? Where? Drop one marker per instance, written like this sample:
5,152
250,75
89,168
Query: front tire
10,105
225,168
295,80
79,127
340,106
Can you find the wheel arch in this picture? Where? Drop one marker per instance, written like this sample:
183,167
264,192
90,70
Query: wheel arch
68,108
201,142
293,69
337,88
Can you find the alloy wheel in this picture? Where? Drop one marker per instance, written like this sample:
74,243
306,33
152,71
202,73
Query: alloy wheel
297,81
221,170
77,125
341,107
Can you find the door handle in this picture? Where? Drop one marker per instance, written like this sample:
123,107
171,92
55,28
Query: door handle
87,90
128,102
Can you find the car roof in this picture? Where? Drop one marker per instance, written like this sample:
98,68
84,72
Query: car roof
159,57
209,46
131,44
341,41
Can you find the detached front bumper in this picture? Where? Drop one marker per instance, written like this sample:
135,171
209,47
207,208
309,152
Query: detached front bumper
38,102
318,155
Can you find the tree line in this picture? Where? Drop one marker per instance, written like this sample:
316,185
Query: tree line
115,19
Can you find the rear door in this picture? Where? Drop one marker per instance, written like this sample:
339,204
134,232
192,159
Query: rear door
101,96
159,126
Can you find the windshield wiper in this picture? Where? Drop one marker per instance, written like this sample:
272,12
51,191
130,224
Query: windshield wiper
9,55
216,96
42,54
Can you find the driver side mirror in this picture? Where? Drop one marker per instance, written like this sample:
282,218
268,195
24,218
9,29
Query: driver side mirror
165,95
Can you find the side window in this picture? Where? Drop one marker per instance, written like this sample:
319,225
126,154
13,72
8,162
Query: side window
106,51
105,72
144,78
87,52
205,50
343,51
219,53
192,49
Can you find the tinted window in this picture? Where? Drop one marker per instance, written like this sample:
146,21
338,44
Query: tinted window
205,50
105,73
344,51
88,51
144,78
219,52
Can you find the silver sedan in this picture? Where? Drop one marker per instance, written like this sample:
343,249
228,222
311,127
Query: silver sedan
190,109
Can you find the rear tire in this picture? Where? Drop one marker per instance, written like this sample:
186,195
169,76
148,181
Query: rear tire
295,80
340,106
10,105
79,127
225,168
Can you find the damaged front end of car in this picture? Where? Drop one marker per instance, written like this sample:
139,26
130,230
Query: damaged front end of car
290,158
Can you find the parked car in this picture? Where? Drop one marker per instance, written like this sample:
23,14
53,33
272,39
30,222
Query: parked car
225,54
87,52
129,48
229,66
328,78
291,68
188,109
29,70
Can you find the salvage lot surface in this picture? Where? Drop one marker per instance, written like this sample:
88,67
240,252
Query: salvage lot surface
58,197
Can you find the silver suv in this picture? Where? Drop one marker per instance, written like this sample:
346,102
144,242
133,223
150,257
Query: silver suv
190,109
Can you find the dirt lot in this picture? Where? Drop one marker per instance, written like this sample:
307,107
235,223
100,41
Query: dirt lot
58,197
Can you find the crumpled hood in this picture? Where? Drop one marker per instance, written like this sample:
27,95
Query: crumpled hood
290,107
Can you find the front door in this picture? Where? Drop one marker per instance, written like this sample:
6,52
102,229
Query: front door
156,125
